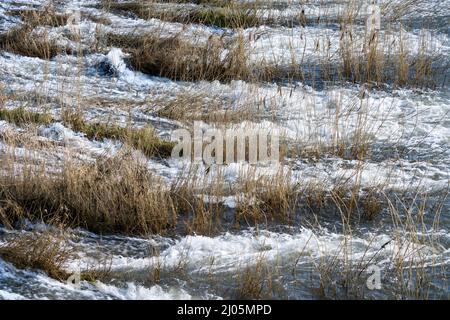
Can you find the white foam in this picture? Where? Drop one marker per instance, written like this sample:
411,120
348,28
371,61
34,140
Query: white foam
6,295
137,292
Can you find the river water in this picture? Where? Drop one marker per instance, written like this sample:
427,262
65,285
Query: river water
408,130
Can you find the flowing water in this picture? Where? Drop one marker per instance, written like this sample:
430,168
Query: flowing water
408,129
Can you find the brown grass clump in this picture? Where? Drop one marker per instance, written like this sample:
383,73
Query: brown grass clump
47,252
38,251
46,17
23,41
196,199
371,205
207,108
223,15
380,63
351,203
258,281
112,196
267,199
99,272
178,59
20,116
144,139
358,148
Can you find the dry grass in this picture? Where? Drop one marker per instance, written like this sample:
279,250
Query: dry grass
179,59
224,15
368,59
49,17
416,275
358,148
100,272
23,41
144,139
257,281
38,251
379,62
267,199
47,251
111,196
21,116
196,199
189,106
410,274
36,18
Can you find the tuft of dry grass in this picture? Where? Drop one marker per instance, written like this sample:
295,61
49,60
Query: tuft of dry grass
47,252
21,116
207,108
212,13
38,251
358,148
379,62
100,272
25,41
46,17
144,139
196,200
258,280
266,199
